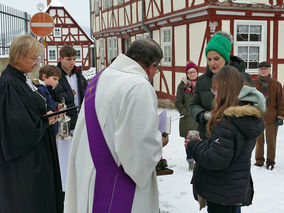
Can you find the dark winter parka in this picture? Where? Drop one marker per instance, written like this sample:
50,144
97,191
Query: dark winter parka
182,102
222,172
63,90
203,97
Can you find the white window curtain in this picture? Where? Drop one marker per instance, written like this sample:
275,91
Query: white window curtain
167,46
250,42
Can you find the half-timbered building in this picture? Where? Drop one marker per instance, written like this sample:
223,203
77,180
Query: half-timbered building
184,27
66,32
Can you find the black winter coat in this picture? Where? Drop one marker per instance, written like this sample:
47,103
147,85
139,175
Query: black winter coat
63,90
29,170
203,97
222,172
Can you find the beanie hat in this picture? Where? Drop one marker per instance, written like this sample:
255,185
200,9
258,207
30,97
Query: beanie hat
220,44
263,64
189,66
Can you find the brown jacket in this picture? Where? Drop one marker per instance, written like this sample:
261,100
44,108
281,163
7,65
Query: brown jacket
275,101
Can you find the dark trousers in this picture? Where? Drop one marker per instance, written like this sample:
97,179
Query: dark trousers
216,208
270,136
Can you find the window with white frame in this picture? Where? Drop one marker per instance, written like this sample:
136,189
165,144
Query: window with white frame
52,54
78,53
57,32
112,48
102,50
249,42
166,44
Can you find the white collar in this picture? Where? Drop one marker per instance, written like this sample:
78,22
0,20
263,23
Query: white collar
125,64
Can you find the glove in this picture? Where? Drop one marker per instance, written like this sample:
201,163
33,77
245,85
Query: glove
279,122
203,117
207,116
200,118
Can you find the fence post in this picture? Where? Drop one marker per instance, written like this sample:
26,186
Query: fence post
26,22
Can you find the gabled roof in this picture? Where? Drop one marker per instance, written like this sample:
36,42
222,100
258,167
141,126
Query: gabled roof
53,3
57,3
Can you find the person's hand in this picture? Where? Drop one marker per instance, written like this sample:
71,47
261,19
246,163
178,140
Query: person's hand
207,116
61,107
52,119
279,122
203,117
165,138
186,141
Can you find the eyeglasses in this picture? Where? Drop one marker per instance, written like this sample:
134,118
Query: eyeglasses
36,60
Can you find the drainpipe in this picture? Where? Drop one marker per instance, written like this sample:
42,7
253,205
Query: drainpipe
144,27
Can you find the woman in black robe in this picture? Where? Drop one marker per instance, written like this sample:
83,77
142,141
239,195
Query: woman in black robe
29,170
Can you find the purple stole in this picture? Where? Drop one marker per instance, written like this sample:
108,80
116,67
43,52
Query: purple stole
114,189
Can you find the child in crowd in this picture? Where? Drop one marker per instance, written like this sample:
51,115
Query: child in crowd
49,75
223,161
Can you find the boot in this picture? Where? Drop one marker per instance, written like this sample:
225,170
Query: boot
259,162
270,164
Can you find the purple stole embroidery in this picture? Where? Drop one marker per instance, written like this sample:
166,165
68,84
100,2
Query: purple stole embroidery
114,189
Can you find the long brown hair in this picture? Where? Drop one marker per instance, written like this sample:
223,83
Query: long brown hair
228,83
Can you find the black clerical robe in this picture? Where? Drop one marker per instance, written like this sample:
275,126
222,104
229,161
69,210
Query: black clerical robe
29,170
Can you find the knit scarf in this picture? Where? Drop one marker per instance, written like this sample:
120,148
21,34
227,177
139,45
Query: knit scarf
189,86
264,81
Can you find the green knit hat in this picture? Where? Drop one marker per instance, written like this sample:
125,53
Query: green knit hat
220,44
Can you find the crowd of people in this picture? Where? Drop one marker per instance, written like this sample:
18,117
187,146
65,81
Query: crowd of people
108,162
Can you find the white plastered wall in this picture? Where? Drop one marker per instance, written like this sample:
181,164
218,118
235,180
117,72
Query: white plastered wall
121,17
139,11
280,76
168,76
134,15
178,5
167,6
197,2
180,45
196,35
280,39
226,26
147,9
119,43
179,76
156,80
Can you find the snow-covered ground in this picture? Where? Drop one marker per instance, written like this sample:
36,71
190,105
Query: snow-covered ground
176,191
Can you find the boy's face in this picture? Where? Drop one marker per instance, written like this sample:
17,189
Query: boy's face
67,63
264,71
51,81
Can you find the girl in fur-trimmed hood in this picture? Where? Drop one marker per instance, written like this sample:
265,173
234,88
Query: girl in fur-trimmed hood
222,173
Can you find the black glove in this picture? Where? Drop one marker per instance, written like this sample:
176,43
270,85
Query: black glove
200,118
279,122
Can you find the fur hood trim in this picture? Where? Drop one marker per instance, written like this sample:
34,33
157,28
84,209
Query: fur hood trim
241,111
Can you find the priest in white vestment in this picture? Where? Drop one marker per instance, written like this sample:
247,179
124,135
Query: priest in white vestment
126,108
